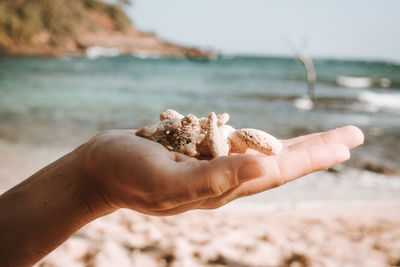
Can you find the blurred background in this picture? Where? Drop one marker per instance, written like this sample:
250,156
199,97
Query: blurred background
69,69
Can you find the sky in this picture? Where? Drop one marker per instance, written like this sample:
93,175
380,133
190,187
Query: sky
352,29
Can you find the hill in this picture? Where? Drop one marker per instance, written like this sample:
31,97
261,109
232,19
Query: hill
58,27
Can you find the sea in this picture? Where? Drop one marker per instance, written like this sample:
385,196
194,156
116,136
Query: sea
50,101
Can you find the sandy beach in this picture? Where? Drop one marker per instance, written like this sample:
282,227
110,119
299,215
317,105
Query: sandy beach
281,228
364,235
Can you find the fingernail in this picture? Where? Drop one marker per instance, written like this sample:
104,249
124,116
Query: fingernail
250,171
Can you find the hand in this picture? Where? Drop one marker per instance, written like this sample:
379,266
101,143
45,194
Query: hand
132,172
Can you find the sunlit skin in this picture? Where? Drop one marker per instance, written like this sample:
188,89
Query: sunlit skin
116,169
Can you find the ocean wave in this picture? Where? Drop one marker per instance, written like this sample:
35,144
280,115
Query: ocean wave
143,54
362,82
378,101
304,103
101,51
354,82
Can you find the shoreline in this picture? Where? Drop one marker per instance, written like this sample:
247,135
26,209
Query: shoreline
108,43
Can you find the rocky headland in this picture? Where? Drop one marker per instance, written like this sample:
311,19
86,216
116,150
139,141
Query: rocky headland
79,27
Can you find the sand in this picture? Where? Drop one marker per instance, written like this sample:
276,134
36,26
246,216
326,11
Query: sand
328,235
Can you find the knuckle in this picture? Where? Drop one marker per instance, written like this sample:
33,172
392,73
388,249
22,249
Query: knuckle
222,184
279,178
325,137
215,179
215,187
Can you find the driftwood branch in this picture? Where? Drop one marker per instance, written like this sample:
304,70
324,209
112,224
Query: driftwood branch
307,61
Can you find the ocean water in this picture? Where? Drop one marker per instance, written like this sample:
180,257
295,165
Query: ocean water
47,101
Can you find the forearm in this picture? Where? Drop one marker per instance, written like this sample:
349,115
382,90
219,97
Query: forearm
44,210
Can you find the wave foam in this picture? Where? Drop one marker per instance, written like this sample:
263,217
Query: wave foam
354,82
101,51
381,100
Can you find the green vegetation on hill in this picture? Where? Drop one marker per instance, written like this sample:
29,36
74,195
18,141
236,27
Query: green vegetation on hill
22,20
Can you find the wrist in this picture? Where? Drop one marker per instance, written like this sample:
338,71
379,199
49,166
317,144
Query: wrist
47,208
87,187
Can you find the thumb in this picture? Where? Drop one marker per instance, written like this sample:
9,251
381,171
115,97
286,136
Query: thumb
212,178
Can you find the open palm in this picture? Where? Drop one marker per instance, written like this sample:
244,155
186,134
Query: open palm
133,172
